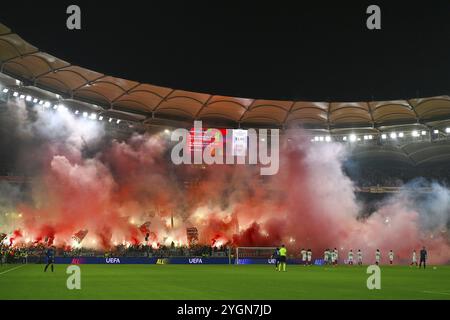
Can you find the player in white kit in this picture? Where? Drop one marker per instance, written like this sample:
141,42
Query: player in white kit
309,256
377,257
359,253
391,257
350,257
303,253
333,258
336,256
414,258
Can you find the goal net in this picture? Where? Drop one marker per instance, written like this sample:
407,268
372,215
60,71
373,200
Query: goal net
243,253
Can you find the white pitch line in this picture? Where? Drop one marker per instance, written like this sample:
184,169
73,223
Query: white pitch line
12,269
435,292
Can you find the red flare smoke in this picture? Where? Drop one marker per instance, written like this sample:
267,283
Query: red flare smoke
310,203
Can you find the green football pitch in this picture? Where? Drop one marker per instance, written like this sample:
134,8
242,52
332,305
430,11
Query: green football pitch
222,282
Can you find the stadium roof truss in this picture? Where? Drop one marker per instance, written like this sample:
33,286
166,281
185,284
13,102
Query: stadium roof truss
151,104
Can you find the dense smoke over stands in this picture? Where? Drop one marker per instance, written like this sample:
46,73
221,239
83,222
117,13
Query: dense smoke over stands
82,179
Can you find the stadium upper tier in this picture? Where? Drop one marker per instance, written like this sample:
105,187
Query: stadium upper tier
152,104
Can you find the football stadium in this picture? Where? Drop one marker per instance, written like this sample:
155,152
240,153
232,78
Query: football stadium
111,188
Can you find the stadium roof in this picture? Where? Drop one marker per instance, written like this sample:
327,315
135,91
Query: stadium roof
408,155
154,104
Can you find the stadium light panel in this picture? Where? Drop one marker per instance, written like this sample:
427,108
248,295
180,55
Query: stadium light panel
110,120
100,118
47,104
415,133
384,136
22,96
366,137
29,98
35,100
15,94
41,102
401,135
18,83
85,114
316,138
55,106
393,135
320,138
77,111
370,137
447,130
352,137
93,116
118,121
436,131
345,138
424,132
5,90
328,139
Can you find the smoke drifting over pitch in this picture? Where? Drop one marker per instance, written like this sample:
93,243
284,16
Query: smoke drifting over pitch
83,179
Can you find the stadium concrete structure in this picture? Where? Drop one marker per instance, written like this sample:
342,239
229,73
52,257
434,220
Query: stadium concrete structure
410,131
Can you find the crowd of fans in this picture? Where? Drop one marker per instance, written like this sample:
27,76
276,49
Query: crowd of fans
36,252
9,254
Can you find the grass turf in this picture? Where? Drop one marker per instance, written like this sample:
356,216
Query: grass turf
222,282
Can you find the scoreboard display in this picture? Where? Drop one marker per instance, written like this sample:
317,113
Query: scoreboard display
200,138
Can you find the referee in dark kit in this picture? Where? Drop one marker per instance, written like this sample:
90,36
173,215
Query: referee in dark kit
423,258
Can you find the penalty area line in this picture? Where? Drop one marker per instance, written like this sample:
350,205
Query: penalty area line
12,269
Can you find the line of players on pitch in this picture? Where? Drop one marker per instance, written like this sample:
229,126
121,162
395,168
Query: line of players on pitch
331,257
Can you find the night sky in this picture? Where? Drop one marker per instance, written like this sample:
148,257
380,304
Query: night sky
320,51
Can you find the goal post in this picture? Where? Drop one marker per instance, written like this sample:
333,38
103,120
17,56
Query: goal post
253,253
